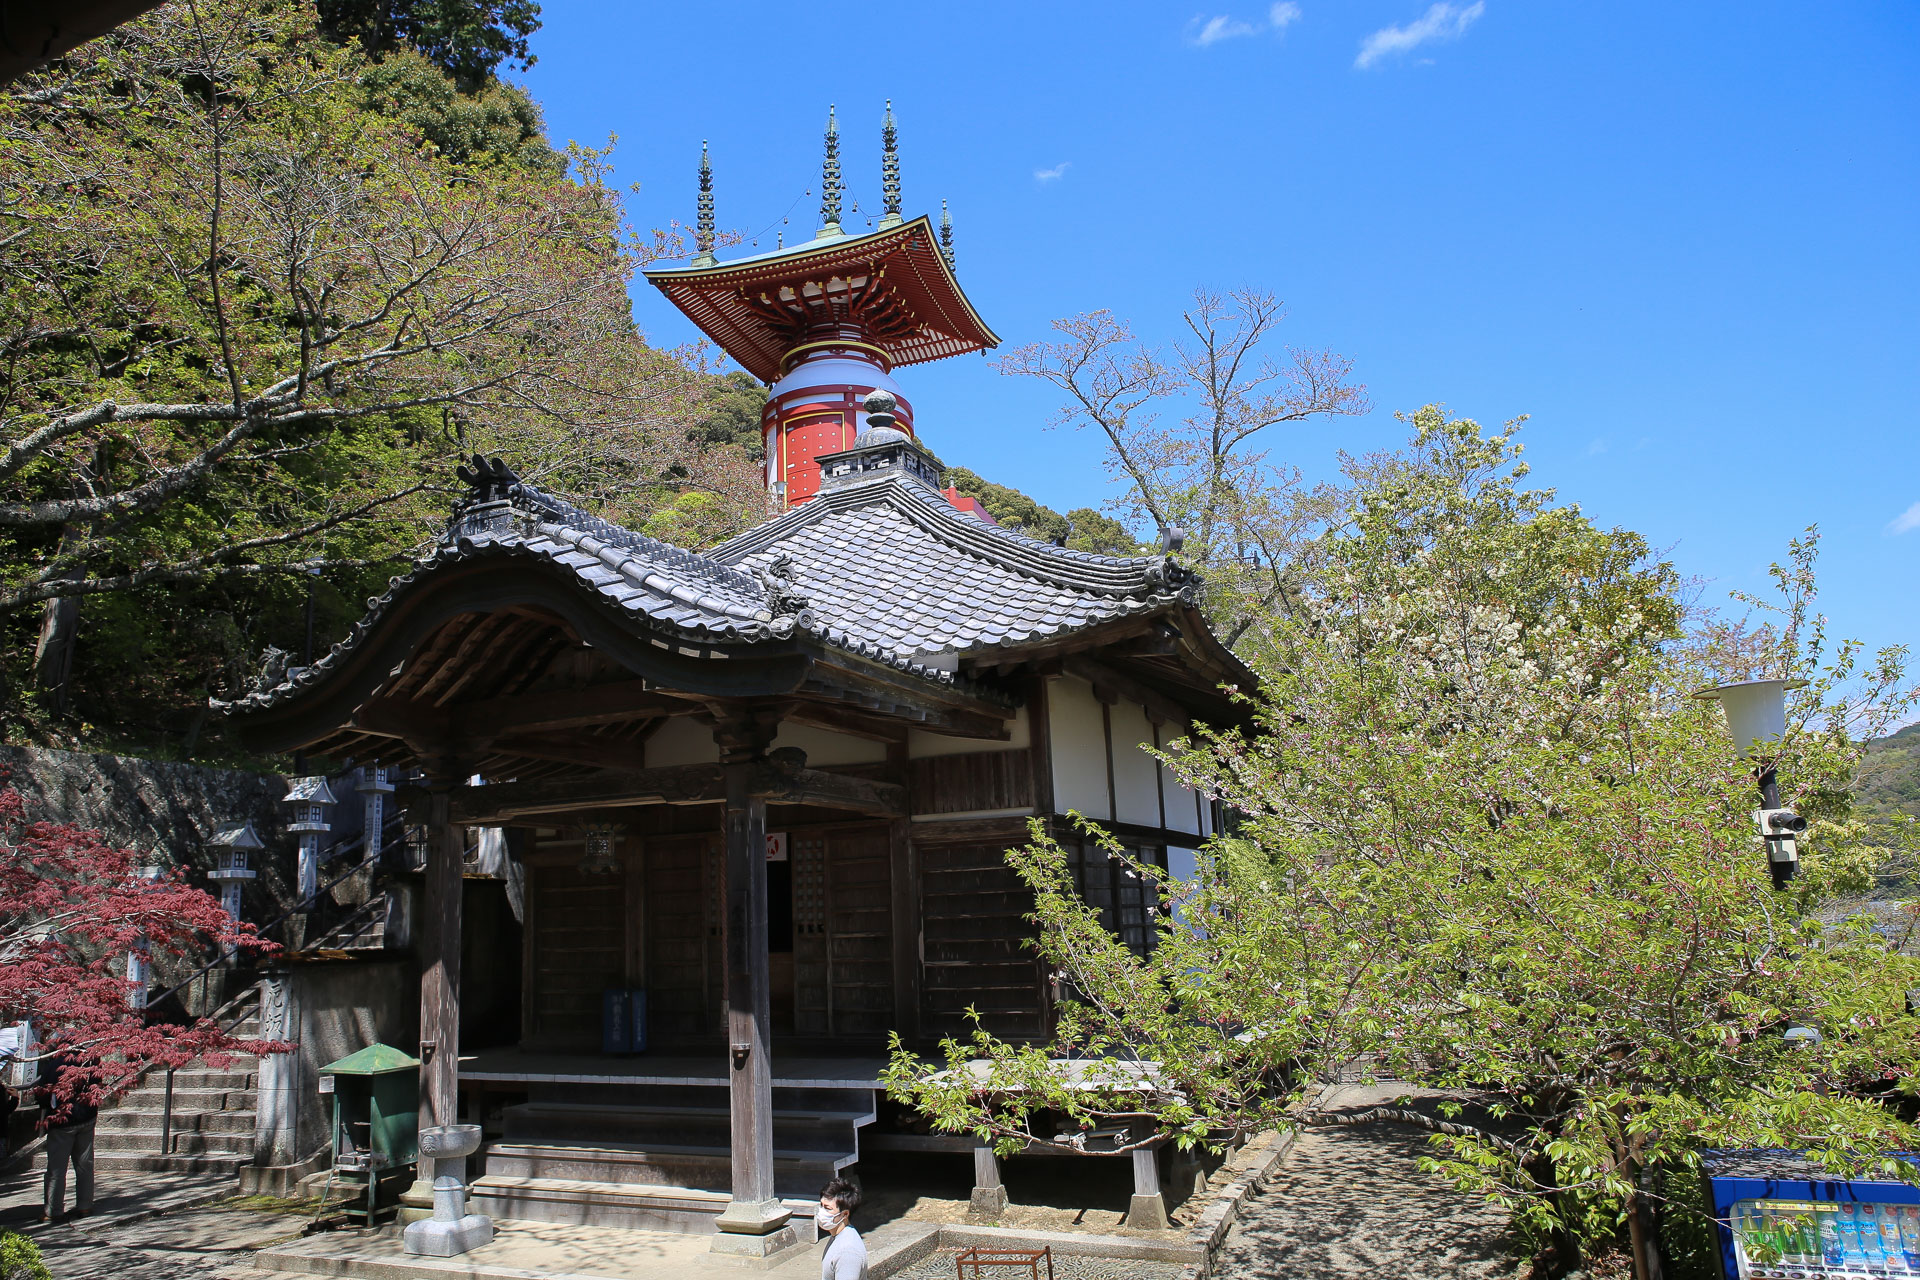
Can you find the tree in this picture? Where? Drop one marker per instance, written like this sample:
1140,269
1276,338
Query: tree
1205,474
1082,529
1490,844
732,407
248,322
493,123
467,39
72,907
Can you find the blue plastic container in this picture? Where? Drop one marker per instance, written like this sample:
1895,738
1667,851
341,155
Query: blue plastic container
623,1020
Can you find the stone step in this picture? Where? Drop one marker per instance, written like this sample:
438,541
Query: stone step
239,1076
154,1098
582,1202
184,1143
184,1121
153,1162
795,1172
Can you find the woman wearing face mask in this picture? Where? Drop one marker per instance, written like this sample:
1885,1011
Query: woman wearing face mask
846,1256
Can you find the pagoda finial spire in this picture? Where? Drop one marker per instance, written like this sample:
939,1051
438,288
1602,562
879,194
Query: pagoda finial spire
830,186
890,169
946,235
703,228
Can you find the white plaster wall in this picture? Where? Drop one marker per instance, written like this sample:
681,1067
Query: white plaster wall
1079,742
825,748
921,744
682,740
1136,781
1181,815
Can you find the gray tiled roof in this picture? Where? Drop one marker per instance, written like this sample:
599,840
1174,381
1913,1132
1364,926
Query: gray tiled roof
883,568
889,560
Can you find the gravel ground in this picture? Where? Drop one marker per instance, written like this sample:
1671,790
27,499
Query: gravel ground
1348,1204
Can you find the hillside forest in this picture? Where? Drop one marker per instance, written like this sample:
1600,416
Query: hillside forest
266,273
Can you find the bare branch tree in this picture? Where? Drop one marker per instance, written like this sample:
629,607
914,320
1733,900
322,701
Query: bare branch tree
1204,473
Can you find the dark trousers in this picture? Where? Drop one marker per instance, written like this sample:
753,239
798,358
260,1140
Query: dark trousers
74,1143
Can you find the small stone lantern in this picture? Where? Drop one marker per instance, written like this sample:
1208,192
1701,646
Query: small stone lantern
375,786
140,956
233,845
312,802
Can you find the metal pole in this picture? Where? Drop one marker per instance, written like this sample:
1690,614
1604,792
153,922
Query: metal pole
166,1117
1781,860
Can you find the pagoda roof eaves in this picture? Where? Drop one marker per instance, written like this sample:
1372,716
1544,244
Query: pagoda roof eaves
700,292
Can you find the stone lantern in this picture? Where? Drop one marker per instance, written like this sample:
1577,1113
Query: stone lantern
140,956
233,845
375,786
312,802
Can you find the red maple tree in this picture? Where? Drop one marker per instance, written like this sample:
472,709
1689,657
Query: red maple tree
72,906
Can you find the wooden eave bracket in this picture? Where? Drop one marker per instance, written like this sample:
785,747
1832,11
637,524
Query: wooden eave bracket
681,784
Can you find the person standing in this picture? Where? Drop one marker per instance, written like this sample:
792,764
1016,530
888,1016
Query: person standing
846,1255
69,1124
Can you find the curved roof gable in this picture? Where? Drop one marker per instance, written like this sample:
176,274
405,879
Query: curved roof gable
889,560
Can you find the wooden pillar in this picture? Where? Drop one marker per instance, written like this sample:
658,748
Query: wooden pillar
1149,1208
989,1193
754,1223
440,972
439,989
903,862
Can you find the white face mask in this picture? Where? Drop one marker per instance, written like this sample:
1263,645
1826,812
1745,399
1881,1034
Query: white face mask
824,1218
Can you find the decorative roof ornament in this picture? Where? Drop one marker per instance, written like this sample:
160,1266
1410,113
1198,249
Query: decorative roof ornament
487,479
880,405
890,169
830,184
784,599
703,230
946,235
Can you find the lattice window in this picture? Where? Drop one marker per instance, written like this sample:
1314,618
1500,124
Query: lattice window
809,887
1116,887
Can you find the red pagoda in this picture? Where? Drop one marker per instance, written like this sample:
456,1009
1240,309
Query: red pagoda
825,323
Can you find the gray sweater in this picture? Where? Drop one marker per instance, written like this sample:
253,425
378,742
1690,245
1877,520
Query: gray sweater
846,1257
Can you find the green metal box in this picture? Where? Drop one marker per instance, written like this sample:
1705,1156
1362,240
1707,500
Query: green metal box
376,1122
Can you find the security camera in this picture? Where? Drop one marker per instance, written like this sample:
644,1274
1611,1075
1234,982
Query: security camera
1780,822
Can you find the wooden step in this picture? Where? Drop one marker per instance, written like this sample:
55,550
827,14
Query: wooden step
708,1168
584,1202
674,1124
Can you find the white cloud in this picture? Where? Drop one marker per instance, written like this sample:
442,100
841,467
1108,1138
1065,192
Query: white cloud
1907,521
1441,22
1204,31
1217,29
1597,448
1054,174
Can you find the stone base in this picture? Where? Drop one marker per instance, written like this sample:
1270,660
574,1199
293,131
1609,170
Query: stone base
1148,1213
988,1202
774,1246
436,1238
416,1202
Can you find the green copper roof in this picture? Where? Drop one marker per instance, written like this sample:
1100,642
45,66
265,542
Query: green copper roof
374,1060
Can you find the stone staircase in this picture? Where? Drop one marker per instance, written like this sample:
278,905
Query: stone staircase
211,1128
362,929
661,1164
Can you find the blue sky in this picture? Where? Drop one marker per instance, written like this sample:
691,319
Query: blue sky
1684,238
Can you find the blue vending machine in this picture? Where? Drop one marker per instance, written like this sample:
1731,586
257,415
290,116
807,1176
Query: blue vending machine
1784,1219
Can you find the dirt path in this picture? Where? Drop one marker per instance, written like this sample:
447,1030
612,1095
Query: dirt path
1349,1204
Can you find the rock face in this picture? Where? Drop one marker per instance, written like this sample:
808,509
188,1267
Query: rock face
165,808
